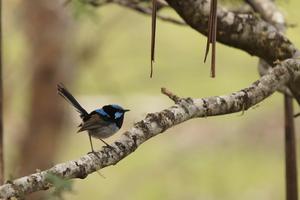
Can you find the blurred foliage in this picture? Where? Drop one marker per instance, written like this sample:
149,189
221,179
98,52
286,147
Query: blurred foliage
61,186
81,9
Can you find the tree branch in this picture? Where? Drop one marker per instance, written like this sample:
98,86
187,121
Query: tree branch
136,6
244,31
269,12
291,177
154,124
241,30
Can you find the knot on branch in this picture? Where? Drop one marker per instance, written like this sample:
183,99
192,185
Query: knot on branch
246,100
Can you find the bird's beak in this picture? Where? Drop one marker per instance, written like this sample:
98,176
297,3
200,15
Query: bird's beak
126,110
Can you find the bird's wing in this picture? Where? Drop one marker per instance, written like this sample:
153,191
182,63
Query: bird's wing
94,122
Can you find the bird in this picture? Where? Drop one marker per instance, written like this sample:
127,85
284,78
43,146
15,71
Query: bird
100,123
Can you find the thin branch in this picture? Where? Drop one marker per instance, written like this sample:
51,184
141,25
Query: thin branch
146,10
153,32
171,95
154,124
290,151
133,5
211,35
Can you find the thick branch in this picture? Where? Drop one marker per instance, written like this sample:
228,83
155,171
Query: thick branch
240,30
244,31
269,12
154,124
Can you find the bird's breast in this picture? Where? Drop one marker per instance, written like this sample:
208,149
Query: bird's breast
104,132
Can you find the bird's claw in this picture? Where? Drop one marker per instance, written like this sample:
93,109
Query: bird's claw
109,146
94,153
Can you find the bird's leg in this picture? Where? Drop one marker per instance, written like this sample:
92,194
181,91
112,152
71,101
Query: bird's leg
106,144
91,143
93,152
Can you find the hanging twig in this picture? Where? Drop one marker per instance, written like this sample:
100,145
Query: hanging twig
290,151
211,36
153,31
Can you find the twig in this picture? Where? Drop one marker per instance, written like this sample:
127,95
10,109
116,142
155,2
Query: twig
290,151
137,7
172,96
153,32
211,36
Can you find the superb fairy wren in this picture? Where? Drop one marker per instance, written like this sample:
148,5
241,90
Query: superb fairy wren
100,123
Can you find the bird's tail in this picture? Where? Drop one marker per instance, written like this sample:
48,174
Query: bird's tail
62,91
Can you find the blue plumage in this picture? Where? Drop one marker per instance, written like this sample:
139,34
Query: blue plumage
117,107
101,112
100,123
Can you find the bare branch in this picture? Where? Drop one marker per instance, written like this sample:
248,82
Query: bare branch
136,6
153,34
171,95
211,36
154,124
290,151
244,31
269,12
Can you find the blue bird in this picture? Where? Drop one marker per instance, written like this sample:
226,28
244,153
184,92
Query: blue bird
100,123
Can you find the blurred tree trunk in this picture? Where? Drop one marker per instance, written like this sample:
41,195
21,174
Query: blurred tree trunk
46,25
1,104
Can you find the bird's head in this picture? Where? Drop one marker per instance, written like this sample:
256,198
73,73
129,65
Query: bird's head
114,111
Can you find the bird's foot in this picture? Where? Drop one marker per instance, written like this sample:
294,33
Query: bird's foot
109,146
94,153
